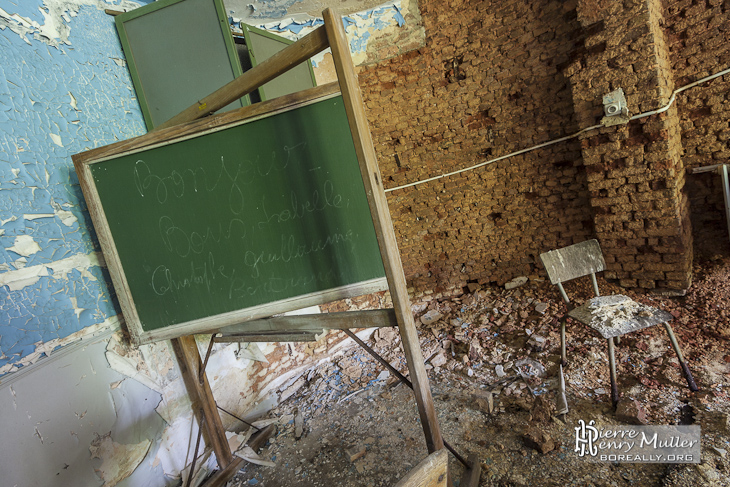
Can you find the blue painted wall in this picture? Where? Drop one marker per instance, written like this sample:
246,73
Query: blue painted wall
56,99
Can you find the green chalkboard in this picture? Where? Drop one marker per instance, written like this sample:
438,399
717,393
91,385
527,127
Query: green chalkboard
235,218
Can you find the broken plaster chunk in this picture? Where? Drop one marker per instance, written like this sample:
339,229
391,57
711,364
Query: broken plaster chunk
439,360
630,411
298,425
516,282
538,440
431,317
118,461
356,452
499,370
720,451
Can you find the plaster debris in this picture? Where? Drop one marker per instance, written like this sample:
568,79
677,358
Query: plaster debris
431,316
238,440
249,455
118,461
252,351
177,445
516,282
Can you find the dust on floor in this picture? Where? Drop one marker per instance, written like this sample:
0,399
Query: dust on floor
492,357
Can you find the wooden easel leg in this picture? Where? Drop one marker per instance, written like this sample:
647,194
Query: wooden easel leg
472,474
222,476
201,396
383,226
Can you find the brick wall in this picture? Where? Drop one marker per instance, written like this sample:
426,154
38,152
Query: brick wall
487,83
497,77
698,34
634,170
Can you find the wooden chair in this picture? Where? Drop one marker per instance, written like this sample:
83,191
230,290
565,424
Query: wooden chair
608,316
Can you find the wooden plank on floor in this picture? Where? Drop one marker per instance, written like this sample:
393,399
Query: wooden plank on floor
472,474
431,472
222,476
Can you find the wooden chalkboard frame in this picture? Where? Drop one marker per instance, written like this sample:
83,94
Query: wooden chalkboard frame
331,35
210,324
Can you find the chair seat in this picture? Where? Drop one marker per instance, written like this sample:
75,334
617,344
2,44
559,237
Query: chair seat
616,315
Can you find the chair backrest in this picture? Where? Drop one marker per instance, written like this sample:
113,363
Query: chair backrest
574,261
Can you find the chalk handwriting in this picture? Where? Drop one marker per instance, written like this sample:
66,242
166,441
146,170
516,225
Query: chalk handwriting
179,183
298,209
291,249
211,278
201,275
277,285
182,243
266,166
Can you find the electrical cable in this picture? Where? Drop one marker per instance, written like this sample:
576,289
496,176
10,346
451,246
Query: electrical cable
567,137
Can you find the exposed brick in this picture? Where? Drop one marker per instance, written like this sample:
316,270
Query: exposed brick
494,80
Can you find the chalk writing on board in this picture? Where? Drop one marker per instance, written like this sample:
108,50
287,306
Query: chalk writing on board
204,275
211,278
319,202
291,249
177,183
182,243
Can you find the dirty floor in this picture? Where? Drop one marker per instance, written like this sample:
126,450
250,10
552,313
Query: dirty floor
492,357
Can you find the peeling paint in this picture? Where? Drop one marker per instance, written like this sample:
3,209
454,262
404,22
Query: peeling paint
177,445
61,91
25,245
55,28
44,349
118,461
361,28
60,269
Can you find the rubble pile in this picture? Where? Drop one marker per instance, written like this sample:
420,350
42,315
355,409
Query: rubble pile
492,355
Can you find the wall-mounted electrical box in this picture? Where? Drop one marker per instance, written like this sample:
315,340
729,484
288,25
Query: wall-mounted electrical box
614,108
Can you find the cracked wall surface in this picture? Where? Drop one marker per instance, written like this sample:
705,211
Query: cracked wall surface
375,30
63,89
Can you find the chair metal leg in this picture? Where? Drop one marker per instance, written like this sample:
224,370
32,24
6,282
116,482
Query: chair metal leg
563,357
612,366
675,345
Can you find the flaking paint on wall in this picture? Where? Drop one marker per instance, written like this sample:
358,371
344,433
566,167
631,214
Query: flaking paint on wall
361,27
61,91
